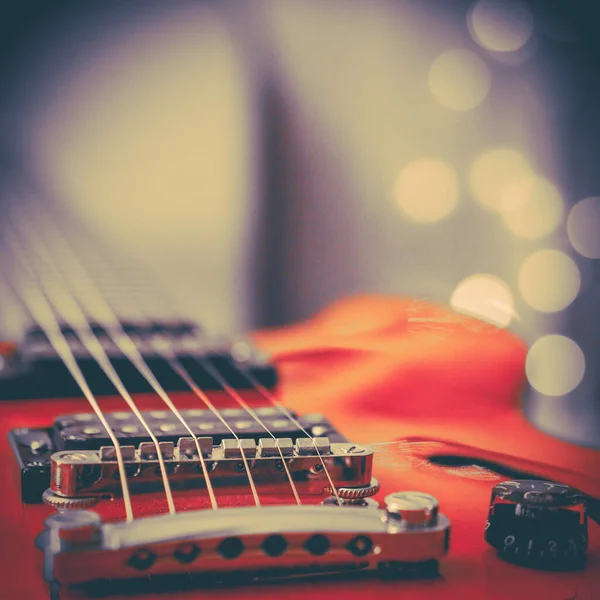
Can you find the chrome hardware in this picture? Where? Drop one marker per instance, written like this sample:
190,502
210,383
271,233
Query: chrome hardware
353,449
108,453
95,472
273,447
68,435
147,450
187,447
313,447
234,448
356,493
61,503
413,509
78,547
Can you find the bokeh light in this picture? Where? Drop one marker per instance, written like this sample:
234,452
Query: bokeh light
532,207
486,297
555,365
459,80
493,171
501,25
583,227
549,280
427,190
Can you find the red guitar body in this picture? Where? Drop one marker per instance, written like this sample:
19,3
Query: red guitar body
380,369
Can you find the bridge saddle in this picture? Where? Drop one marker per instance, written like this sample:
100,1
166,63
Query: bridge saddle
94,473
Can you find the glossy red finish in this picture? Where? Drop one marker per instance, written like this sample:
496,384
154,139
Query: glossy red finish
443,384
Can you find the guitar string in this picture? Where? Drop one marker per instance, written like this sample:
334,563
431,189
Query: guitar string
178,367
80,325
263,391
270,397
126,344
182,372
219,377
164,349
44,314
236,396
223,382
167,353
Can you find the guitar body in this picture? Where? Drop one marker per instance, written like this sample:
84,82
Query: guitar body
381,370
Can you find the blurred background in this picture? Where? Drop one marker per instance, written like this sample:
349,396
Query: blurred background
264,158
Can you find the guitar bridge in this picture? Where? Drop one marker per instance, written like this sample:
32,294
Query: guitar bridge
82,436
268,541
94,473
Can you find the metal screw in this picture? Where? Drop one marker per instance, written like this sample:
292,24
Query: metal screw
75,456
38,446
166,427
92,430
415,509
129,429
241,351
353,449
319,430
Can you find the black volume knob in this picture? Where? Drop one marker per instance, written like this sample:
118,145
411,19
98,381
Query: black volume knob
538,524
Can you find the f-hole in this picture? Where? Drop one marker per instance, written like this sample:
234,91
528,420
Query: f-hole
452,461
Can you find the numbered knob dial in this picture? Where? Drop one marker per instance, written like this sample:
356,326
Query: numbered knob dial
539,524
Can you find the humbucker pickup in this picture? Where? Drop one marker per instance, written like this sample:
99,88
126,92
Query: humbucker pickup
83,432
90,473
34,370
408,536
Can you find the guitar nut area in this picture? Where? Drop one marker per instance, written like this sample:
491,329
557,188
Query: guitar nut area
86,473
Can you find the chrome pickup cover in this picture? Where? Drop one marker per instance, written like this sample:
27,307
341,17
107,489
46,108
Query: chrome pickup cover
79,547
95,472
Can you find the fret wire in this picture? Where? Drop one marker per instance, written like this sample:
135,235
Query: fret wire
90,341
127,346
273,400
43,314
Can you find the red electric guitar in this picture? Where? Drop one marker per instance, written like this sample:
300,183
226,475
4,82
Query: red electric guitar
374,451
